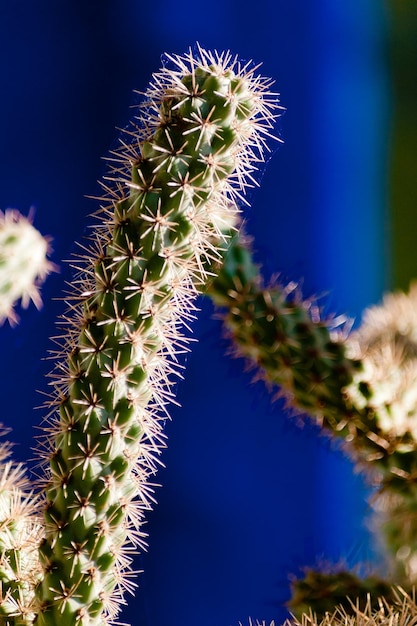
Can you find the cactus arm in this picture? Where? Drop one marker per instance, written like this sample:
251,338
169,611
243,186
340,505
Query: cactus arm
321,371
23,263
401,609
285,338
360,387
178,172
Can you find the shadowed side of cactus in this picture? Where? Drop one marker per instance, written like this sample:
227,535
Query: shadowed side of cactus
173,185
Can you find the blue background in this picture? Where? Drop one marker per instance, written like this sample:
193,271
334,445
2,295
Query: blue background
248,497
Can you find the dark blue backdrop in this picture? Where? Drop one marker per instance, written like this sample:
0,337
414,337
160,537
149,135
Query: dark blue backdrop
248,498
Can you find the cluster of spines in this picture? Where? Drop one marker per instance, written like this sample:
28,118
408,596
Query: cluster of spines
175,180
172,191
386,344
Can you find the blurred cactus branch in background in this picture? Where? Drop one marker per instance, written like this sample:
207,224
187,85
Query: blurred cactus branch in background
358,387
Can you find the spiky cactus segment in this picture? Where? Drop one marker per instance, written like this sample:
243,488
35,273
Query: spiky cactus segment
395,522
401,611
359,387
285,337
386,344
20,536
181,166
321,592
23,263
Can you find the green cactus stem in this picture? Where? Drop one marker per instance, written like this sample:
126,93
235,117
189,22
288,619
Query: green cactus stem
174,182
23,263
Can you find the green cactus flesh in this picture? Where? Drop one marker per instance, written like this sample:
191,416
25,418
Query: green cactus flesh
173,183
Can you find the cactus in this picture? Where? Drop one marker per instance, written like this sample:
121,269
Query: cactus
285,338
169,212
321,592
23,263
357,386
173,185
386,344
402,610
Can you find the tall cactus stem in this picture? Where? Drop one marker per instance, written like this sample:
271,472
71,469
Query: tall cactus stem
181,168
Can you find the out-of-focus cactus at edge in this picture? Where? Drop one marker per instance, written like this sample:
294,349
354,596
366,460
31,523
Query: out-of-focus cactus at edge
23,263
172,190
168,214
20,534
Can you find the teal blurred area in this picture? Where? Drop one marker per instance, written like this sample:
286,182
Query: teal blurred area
248,497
